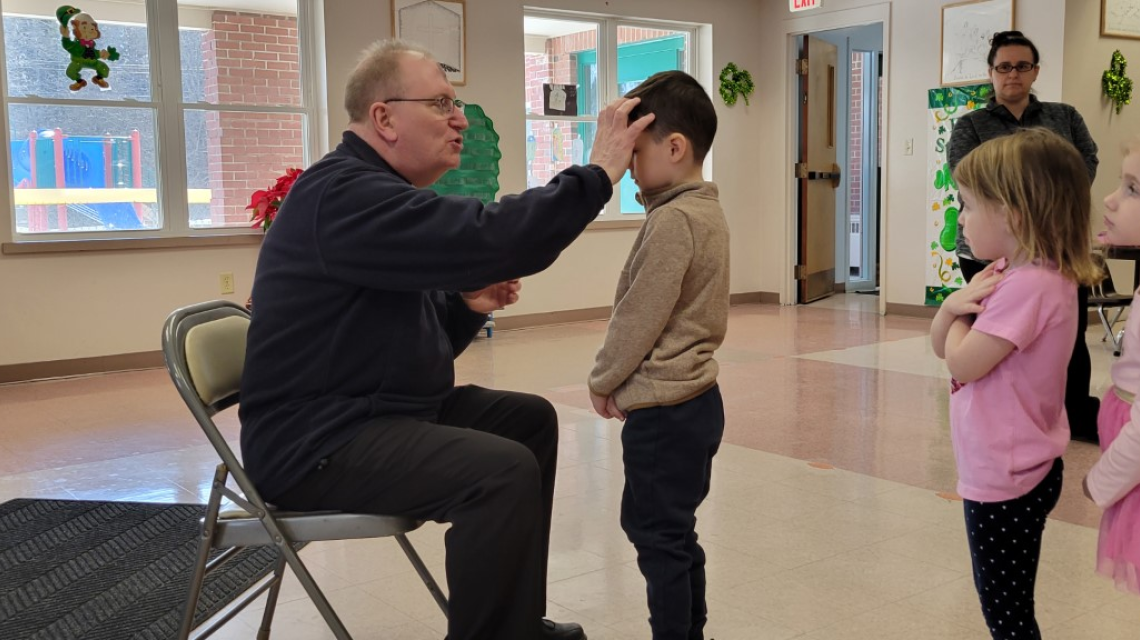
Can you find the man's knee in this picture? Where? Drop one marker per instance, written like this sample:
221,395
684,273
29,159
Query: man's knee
536,410
509,467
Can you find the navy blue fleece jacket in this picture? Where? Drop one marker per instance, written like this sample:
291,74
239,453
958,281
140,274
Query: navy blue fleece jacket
356,313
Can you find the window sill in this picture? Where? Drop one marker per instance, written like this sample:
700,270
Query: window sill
129,244
599,225
243,239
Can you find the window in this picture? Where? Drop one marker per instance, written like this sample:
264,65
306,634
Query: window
587,63
203,106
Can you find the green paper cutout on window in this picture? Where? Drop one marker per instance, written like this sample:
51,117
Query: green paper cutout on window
478,172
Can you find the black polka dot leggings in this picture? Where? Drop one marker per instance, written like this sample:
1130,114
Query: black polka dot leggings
1005,544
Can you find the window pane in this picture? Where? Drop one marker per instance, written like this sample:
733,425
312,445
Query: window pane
231,154
83,168
552,146
641,53
240,55
38,64
561,52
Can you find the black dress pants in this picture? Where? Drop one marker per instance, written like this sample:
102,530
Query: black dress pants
487,467
668,454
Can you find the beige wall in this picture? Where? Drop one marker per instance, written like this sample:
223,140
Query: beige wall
912,67
587,272
1088,57
84,305
95,304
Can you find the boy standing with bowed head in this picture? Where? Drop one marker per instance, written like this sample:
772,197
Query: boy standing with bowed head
656,369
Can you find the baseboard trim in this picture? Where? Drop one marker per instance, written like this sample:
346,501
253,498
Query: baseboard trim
754,297
528,320
923,311
911,310
29,371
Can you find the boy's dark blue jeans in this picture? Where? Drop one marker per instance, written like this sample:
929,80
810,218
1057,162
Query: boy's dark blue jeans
668,454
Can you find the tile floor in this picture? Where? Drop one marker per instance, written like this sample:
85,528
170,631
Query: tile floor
826,520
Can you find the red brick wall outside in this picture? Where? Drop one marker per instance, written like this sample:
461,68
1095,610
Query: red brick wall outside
855,140
559,65
250,59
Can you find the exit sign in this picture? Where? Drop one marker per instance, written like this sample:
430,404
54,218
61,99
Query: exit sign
804,5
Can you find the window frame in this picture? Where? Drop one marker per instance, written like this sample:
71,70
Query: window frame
166,103
607,61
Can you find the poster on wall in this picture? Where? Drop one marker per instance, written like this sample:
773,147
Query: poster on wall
439,25
945,105
967,28
1120,18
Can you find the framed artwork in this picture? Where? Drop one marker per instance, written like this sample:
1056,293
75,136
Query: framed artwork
439,25
967,28
1120,18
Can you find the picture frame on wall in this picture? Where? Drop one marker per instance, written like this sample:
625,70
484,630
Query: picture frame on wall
438,25
967,28
1120,19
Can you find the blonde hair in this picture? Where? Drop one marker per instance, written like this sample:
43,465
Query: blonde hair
1041,180
377,75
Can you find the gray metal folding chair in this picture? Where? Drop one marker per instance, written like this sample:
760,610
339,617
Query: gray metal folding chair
1103,295
204,347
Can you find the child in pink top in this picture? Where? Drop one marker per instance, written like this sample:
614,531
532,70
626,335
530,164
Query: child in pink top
1007,338
1112,482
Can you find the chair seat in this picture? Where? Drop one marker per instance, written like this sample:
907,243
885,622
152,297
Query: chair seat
1110,301
240,529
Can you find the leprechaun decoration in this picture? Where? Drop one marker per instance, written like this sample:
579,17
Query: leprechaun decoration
84,54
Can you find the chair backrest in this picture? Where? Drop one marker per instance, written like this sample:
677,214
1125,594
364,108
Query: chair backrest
1105,288
204,348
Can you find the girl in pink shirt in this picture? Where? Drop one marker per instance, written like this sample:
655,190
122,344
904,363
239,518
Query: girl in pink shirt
1007,338
1112,482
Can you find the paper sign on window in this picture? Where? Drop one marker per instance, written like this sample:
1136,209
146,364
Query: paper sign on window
559,99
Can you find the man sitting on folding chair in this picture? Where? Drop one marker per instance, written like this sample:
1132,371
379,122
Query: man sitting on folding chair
348,397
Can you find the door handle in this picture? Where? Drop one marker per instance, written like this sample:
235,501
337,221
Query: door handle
823,175
834,175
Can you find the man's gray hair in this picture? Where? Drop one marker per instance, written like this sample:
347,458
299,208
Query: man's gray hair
377,76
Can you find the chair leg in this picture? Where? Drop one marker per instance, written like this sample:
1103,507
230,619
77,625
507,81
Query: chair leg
422,569
271,599
310,585
209,523
1106,324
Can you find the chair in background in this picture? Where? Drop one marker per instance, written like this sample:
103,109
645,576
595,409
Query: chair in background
1103,296
204,347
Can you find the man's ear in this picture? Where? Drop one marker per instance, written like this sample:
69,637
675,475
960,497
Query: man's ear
381,118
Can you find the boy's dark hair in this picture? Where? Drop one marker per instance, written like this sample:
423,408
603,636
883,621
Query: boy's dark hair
1011,39
681,106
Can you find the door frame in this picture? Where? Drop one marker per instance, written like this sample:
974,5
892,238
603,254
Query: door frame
869,15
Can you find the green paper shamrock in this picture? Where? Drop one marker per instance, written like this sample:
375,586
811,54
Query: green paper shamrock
733,82
1116,85
949,236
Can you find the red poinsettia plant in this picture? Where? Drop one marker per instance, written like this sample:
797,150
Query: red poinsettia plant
265,203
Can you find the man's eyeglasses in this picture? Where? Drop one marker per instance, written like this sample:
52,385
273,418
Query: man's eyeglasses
445,105
1021,67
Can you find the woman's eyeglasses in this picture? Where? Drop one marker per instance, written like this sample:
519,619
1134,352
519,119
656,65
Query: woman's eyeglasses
1020,67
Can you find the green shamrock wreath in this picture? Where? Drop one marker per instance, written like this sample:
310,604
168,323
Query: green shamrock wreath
1116,85
734,82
